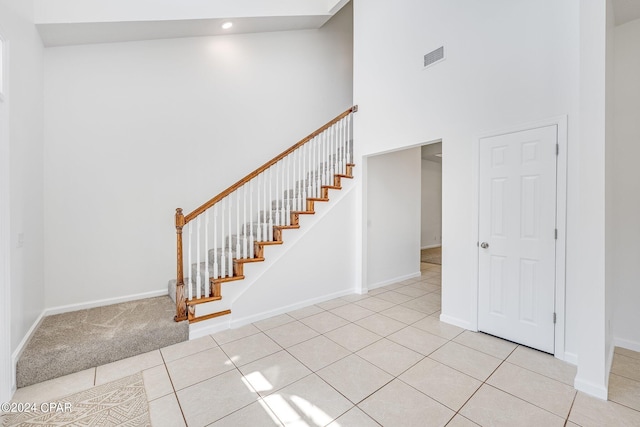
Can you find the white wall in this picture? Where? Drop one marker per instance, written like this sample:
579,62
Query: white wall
626,186
610,224
135,130
393,216
24,102
589,292
315,267
507,63
431,204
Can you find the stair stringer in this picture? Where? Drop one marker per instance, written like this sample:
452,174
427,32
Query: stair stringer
315,263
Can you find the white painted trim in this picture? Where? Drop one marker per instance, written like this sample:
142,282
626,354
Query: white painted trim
561,221
395,280
7,377
103,302
590,389
571,358
236,323
431,246
208,327
361,229
628,344
457,322
609,363
18,351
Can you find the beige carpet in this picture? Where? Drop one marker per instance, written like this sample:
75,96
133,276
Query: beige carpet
118,403
72,342
432,255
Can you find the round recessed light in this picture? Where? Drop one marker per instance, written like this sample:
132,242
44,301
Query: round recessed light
227,25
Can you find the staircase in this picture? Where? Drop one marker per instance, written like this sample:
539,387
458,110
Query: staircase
217,240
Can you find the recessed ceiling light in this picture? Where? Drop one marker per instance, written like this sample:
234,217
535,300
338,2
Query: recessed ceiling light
227,25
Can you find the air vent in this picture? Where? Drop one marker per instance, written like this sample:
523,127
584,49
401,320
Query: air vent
434,57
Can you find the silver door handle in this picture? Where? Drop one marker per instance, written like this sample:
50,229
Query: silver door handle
484,245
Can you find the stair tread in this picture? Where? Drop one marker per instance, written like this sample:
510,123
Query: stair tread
226,279
318,199
202,300
303,212
333,187
286,227
269,242
245,260
341,175
195,319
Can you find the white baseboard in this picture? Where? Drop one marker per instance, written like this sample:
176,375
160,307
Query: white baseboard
208,327
590,388
627,344
394,280
457,322
103,302
236,323
18,351
431,246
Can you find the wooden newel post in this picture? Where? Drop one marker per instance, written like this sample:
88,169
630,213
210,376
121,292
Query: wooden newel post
181,304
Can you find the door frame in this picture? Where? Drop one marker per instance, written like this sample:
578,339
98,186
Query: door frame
561,223
6,369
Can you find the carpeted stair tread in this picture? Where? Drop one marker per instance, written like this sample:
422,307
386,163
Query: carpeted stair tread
71,342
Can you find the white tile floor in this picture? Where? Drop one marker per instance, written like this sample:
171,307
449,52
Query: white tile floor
363,360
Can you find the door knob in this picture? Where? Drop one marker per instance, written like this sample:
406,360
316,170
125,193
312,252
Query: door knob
484,245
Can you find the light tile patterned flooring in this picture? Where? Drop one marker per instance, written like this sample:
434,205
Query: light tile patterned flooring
363,360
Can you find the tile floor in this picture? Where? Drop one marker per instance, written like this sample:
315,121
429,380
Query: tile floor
363,360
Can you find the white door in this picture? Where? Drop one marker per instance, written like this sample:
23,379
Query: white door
517,237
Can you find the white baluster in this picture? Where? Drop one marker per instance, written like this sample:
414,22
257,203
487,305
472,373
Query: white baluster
198,278
287,214
230,240
334,135
223,258
341,148
215,242
260,219
206,253
251,220
267,205
350,138
244,220
325,135
316,169
238,251
305,181
190,264
295,157
302,179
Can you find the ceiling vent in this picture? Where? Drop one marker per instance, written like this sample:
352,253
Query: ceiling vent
434,57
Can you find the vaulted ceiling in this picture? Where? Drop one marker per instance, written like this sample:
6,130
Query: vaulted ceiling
68,22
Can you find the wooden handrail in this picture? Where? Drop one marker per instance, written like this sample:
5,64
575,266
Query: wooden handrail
255,173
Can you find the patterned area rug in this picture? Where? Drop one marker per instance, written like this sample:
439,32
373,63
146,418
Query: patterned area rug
432,255
118,403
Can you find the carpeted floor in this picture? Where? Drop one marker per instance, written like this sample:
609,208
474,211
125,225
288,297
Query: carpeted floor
71,342
432,255
118,403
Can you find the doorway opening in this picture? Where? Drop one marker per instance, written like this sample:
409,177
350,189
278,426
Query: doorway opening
431,204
